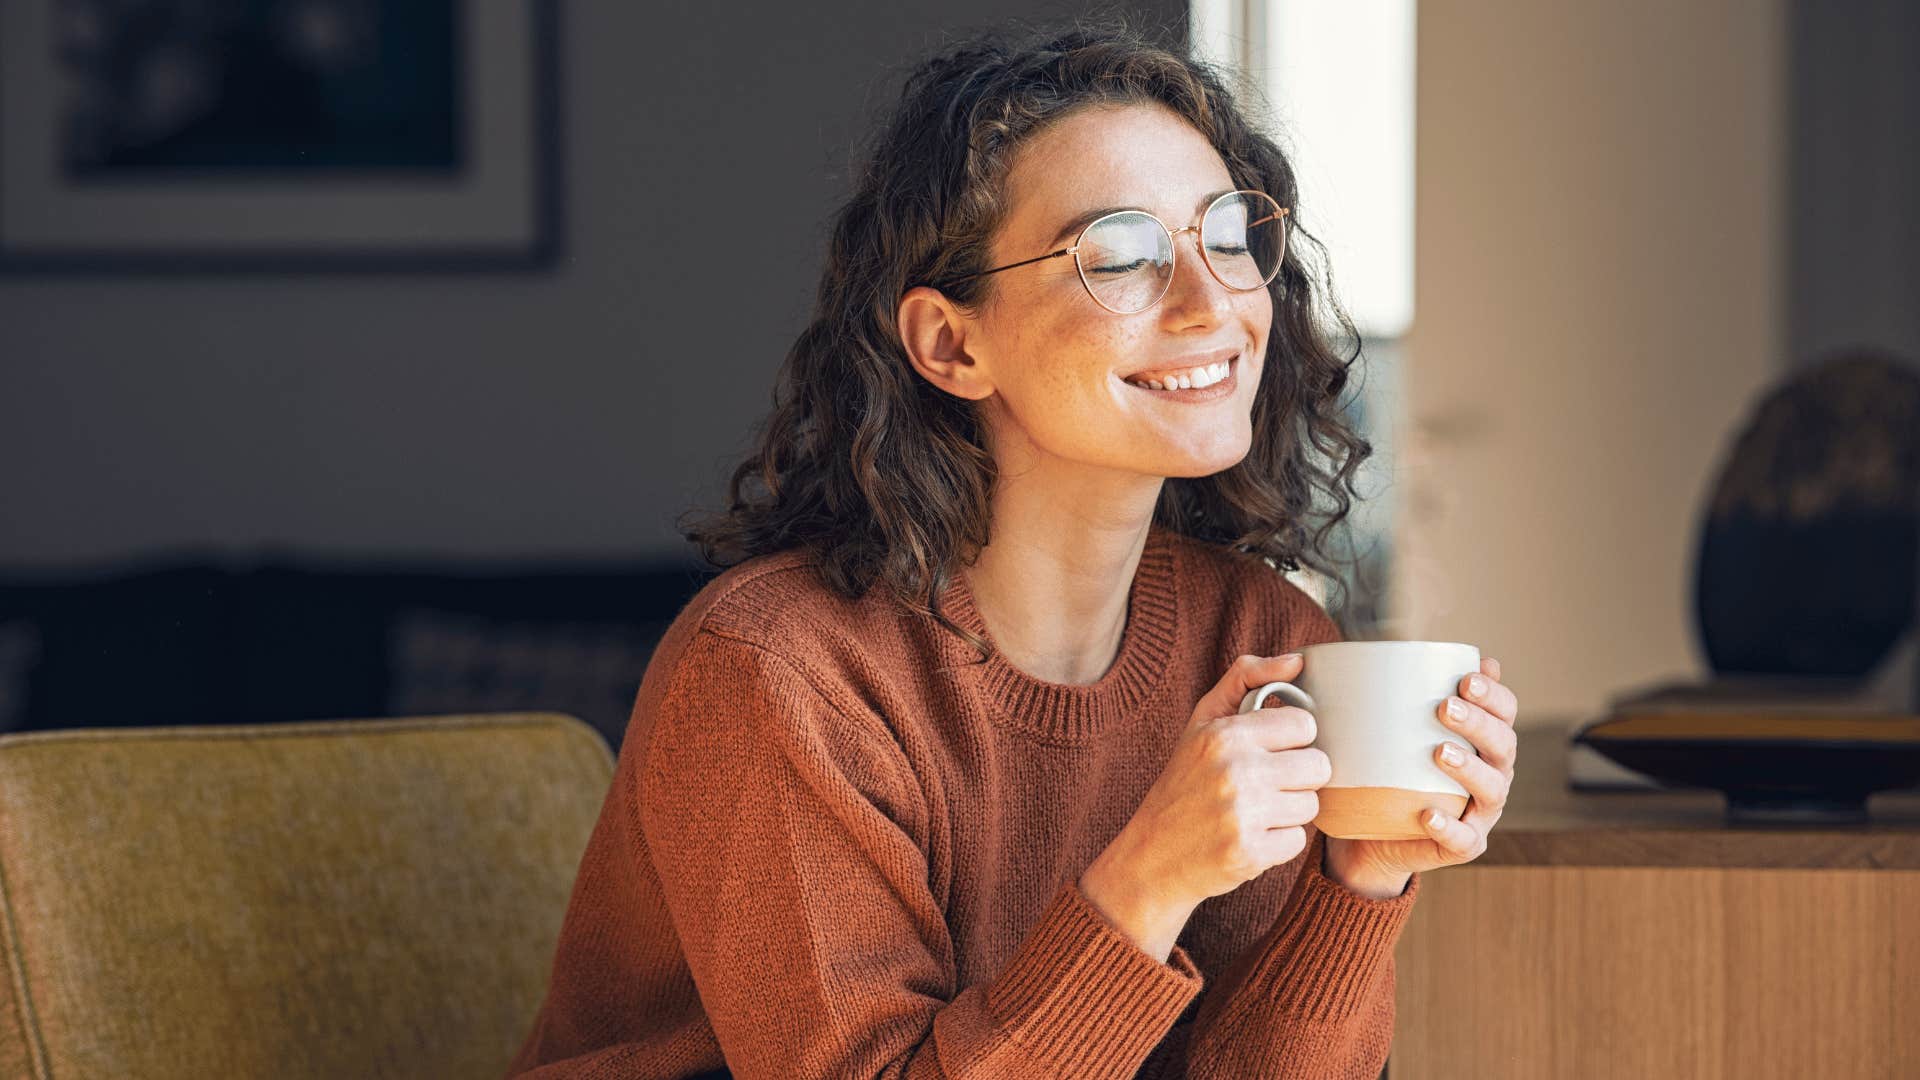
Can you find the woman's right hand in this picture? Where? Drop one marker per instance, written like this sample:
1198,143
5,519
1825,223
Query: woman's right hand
1233,800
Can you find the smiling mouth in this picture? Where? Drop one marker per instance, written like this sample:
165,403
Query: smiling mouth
1210,382
1196,378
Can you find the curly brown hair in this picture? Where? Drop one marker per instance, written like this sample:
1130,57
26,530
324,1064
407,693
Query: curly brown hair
885,478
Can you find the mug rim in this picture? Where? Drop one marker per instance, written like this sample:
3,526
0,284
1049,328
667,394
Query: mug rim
1387,641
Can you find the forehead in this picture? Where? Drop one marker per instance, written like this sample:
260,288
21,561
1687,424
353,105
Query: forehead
1138,155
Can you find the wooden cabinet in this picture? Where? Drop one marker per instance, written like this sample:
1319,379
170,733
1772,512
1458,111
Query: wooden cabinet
1636,935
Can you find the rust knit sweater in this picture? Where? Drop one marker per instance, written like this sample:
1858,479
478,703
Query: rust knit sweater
839,846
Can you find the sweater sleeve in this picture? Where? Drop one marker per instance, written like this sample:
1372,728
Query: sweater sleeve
1312,998
783,830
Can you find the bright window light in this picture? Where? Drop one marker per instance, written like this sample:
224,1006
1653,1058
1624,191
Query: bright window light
1340,80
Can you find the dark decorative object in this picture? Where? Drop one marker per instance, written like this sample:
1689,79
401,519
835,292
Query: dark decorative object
1807,561
277,135
1774,766
1805,585
259,88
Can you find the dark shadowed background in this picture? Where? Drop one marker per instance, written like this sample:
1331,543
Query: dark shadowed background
375,488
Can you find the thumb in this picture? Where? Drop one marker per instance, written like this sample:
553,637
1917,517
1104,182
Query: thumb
1246,673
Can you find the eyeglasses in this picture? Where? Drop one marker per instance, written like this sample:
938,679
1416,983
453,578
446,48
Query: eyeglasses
1125,258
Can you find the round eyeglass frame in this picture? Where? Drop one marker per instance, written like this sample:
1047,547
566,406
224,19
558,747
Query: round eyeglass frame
1173,246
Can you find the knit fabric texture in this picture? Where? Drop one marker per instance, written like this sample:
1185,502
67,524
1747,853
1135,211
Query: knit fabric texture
840,844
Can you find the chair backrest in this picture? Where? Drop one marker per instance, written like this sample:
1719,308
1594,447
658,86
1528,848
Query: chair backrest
364,898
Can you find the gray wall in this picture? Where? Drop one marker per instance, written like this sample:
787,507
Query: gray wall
572,413
1854,270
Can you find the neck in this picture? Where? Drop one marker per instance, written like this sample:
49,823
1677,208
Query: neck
1052,582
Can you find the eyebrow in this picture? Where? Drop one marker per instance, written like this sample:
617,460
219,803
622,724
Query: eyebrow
1088,217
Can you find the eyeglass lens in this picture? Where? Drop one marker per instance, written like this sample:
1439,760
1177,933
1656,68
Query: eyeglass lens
1126,258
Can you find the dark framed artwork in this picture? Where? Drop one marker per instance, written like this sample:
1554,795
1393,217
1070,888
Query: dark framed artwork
248,135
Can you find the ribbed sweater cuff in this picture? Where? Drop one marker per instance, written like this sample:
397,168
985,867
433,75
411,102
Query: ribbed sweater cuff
1328,944
1081,995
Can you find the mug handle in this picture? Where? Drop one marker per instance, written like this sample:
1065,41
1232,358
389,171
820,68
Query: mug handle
1287,692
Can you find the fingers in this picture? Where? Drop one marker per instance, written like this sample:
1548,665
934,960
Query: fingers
1293,809
1244,674
1283,842
1483,714
1305,769
1491,695
1486,785
1460,841
1283,727
1492,738
1270,746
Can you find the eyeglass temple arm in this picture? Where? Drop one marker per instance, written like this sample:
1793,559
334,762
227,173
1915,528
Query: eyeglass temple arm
1010,266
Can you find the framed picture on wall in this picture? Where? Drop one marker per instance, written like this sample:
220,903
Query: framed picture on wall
245,135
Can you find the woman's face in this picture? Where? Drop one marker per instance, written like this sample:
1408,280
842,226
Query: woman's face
1067,375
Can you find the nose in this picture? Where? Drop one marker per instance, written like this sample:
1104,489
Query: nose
1194,295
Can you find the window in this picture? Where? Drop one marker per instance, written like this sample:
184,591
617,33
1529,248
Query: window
1334,85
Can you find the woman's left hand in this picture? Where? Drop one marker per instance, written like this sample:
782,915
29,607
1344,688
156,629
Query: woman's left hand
1489,710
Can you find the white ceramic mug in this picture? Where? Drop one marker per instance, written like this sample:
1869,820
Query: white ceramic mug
1375,706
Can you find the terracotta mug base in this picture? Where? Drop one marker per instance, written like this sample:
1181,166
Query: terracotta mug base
1381,813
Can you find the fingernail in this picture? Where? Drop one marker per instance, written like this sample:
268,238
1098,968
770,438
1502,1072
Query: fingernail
1451,754
1434,819
1456,709
1288,656
1476,686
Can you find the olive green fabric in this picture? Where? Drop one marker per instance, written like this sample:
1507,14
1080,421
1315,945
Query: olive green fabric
343,899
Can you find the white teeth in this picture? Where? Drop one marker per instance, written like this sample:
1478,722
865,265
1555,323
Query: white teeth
1191,379
1210,375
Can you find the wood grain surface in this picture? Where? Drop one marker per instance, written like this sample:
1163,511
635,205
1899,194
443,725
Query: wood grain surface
1602,972
1635,934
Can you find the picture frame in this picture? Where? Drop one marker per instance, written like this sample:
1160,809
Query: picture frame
344,135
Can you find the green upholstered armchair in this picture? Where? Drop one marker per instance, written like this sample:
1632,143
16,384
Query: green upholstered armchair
369,898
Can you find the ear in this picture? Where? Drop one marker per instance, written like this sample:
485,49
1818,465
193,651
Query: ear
935,333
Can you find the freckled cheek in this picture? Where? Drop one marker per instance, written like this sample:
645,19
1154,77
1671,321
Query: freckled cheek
1069,347
1261,319
1072,361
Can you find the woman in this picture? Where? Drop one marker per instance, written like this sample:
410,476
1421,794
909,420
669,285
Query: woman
943,778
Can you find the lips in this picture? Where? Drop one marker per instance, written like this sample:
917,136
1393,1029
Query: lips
1190,379
1210,388
1190,366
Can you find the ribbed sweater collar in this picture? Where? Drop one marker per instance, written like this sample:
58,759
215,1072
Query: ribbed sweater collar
1060,712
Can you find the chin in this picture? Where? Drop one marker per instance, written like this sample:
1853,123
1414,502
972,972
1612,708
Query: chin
1195,465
